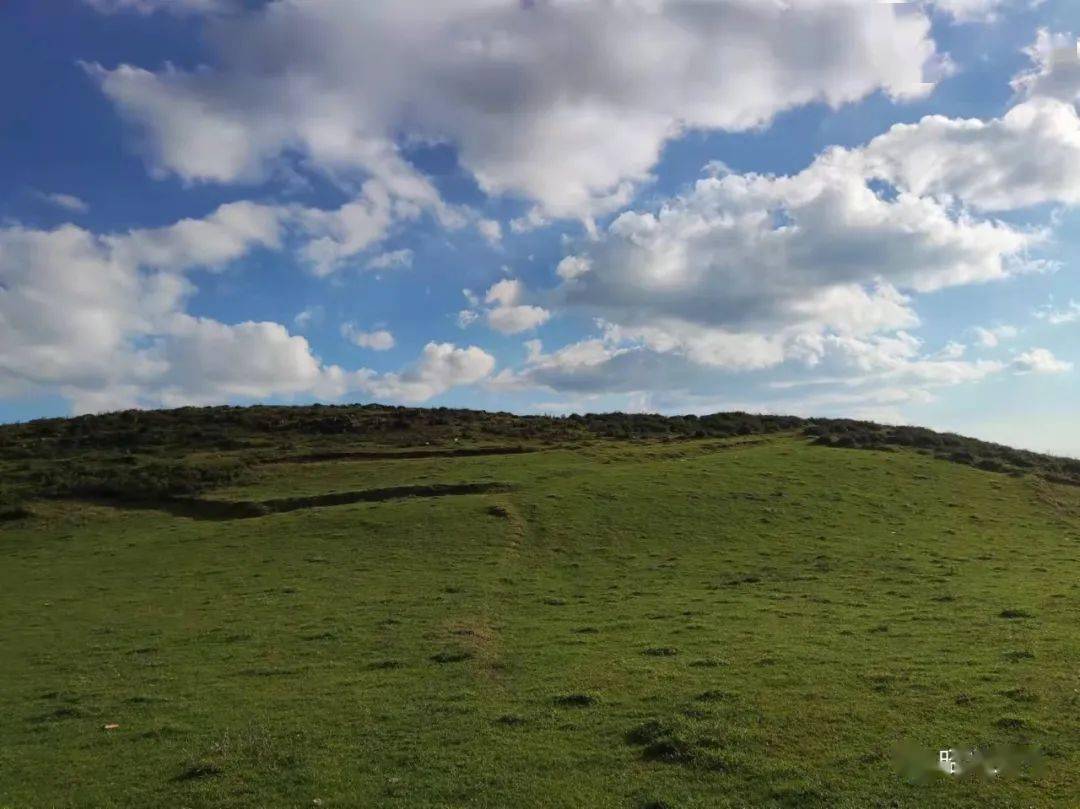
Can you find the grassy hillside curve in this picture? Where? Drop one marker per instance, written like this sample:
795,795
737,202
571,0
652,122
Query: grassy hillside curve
393,618
141,455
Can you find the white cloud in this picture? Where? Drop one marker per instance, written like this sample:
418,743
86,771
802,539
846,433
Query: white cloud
970,10
744,270
213,241
573,267
1039,361
1058,317
533,220
898,360
749,271
101,320
858,373
338,235
150,6
815,274
67,202
75,304
1028,157
441,366
490,230
378,340
210,362
506,313
325,240
533,95
992,337
581,366
69,309
307,316
952,351
515,319
505,293
391,260
716,347
1055,71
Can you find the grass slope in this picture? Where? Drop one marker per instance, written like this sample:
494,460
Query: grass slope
755,622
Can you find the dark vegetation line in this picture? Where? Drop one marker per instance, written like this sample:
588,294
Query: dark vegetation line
399,455
146,455
198,508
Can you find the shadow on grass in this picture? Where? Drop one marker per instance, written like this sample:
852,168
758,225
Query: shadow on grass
202,509
406,455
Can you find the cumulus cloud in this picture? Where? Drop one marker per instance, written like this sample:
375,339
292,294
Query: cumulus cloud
209,362
378,340
951,351
307,316
337,235
67,312
391,260
751,271
589,366
101,319
441,367
506,292
223,236
971,10
898,359
815,274
993,336
533,95
1039,361
506,313
1055,71
180,7
490,230
74,303
1058,317
573,267
516,319
863,367
67,202
324,239
1028,157
746,270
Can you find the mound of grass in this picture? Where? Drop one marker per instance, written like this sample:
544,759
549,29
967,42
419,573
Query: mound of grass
143,455
417,651
576,700
11,510
458,656
1014,614
678,740
984,455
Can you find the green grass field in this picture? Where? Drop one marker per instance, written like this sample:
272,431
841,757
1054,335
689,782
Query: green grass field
686,624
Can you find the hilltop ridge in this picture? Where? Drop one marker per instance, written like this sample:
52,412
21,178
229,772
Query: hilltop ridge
143,454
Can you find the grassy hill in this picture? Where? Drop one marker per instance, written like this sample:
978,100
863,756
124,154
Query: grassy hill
369,606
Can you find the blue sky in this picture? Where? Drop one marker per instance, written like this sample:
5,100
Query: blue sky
822,207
